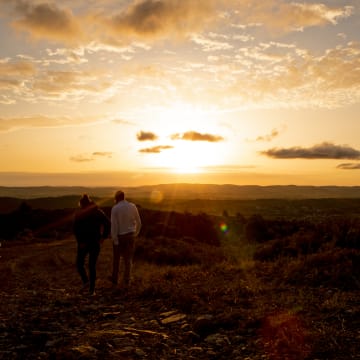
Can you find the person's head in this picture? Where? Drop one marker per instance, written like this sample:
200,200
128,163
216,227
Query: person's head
84,201
119,196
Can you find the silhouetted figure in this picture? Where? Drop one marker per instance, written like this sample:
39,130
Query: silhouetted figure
91,227
125,226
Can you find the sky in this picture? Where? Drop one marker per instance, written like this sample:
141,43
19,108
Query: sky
129,93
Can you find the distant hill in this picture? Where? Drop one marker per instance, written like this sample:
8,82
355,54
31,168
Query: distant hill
190,191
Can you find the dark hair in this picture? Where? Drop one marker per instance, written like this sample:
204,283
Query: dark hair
85,200
119,195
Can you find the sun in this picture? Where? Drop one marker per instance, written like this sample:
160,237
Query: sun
186,156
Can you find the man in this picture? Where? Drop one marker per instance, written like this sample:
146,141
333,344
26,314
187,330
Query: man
91,227
125,227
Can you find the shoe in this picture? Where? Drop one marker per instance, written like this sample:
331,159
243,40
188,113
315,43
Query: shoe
92,293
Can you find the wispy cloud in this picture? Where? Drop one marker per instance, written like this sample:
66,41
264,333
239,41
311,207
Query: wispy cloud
146,136
262,74
324,150
81,158
16,68
156,149
40,121
210,44
268,137
196,136
106,154
122,122
349,166
281,16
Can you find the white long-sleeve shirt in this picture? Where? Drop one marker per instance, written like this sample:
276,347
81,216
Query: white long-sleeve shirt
125,219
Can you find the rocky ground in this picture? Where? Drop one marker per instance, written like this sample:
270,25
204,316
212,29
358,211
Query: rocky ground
44,315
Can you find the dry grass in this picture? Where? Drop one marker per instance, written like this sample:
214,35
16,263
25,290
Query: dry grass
303,306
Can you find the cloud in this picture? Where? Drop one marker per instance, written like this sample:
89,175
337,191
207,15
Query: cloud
156,149
72,85
266,74
106,154
150,18
115,23
122,122
196,136
324,150
211,45
281,16
88,158
145,136
16,68
47,20
349,166
290,77
81,158
274,133
41,121
64,81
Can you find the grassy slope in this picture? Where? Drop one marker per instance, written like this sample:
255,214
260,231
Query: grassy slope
262,313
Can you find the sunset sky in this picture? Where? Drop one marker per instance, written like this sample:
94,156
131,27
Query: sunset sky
124,92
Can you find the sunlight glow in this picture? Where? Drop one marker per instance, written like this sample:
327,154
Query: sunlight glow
179,116
186,156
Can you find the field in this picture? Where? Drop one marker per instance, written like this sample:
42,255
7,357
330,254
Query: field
224,284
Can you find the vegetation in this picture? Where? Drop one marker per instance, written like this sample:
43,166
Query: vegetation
281,287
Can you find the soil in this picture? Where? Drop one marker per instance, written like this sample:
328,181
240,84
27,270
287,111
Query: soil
45,315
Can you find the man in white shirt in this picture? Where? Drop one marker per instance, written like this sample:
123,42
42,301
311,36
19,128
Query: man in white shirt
125,226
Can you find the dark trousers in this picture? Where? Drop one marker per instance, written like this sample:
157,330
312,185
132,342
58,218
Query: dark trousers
124,251
82,251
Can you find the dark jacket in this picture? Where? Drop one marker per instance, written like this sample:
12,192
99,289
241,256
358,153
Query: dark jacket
91,225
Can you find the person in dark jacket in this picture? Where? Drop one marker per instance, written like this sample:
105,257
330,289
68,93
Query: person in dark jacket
91,227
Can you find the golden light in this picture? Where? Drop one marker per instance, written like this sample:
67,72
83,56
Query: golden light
185,156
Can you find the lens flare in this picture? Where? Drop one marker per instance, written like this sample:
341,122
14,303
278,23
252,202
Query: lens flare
156,196
223,227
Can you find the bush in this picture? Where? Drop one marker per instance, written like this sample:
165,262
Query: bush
186,251
337,268
256,229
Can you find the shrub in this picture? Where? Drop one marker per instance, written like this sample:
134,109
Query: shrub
338,268
273,249
165,251
256,229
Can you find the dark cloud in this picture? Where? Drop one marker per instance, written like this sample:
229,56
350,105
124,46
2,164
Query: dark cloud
146,135
47,20
320,151
268,137
156,149
349,166
161,17
196,136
